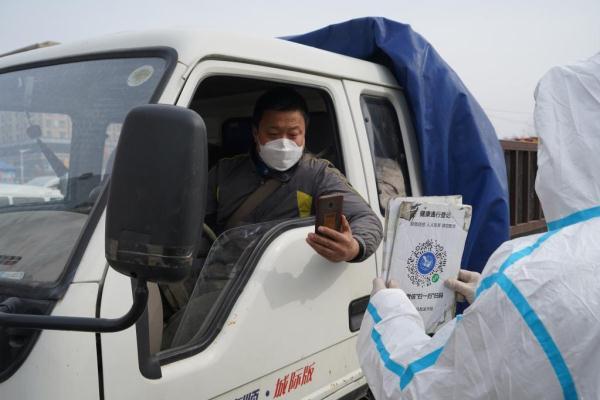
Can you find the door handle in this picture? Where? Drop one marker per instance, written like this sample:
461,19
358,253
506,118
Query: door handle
356,311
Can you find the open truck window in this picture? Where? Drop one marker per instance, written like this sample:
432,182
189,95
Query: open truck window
226,104
194,309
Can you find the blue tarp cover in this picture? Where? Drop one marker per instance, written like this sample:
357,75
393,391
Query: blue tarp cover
460,152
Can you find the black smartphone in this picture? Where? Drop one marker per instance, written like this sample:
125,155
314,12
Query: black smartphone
329,212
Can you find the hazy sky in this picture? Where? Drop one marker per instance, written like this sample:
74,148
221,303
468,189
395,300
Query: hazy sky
499,48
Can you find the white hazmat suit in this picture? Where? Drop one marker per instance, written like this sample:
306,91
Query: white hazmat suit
533,331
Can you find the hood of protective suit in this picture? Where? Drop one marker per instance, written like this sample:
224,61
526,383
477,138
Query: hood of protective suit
567,120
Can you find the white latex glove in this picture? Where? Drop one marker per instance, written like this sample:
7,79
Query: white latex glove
379,284
465,285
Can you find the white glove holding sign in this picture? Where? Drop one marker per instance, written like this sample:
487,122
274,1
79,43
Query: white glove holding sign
465,285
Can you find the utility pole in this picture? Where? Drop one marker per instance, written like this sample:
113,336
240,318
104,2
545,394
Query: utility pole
21,151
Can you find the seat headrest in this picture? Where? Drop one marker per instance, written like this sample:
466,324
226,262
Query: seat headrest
319,136
236,136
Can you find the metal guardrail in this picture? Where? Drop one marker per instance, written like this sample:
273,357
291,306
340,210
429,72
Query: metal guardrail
526,215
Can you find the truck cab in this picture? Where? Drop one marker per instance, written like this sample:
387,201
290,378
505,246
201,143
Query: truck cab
261,315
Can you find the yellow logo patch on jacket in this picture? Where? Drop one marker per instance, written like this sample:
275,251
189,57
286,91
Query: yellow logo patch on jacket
304,204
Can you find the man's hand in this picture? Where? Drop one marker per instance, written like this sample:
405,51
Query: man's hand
333,245
465,285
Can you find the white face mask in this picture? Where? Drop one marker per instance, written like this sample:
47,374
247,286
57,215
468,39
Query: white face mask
280,154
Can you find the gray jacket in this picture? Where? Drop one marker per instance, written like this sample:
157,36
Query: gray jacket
232,180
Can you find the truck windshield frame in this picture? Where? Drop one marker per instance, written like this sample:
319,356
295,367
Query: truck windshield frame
56,288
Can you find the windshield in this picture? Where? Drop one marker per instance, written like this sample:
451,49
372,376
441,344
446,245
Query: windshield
59,126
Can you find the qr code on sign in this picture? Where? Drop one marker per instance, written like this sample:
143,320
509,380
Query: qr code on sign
426,263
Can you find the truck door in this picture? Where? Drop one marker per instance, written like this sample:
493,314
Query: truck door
266,317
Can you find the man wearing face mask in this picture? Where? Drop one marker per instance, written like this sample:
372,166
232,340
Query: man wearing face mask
290,180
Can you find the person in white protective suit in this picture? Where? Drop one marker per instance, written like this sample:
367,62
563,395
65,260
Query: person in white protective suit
533,328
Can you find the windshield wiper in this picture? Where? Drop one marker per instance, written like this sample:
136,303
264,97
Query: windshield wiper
35,132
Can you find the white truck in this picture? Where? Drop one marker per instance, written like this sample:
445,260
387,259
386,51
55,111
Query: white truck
264,316
11,194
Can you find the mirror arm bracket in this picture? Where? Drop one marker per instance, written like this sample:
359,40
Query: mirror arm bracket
81,324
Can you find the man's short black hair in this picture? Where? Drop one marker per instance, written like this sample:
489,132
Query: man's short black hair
281,98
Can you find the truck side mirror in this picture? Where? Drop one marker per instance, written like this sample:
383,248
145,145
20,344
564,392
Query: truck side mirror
157,193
